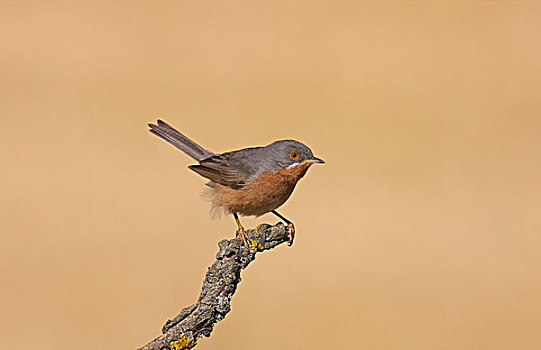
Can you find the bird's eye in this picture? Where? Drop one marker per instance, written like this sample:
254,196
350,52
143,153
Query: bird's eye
293,155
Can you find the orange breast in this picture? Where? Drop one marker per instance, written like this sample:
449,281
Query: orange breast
262,194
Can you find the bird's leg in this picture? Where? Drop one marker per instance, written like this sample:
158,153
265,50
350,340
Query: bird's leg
240,231
290,227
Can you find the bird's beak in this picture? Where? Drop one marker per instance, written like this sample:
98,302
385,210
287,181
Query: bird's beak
315,160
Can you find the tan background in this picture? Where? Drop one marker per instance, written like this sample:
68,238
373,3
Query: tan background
422,231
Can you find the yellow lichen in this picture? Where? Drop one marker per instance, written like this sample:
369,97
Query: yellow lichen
255,245
183,343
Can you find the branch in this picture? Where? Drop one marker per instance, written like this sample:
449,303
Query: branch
221,280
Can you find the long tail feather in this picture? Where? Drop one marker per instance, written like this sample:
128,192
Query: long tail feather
177,139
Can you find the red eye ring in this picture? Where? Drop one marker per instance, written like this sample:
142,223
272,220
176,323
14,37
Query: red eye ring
293,155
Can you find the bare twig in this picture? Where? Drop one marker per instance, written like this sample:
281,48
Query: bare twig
221,280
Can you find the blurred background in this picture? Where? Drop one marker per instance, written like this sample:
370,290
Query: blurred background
422,231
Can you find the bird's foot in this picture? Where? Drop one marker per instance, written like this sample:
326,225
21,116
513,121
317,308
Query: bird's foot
291,233
243,237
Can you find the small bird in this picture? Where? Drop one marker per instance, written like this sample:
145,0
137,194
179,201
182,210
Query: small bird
250,181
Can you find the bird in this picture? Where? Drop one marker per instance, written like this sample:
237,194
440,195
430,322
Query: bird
251,181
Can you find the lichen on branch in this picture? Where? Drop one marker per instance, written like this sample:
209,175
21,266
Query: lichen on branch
219,285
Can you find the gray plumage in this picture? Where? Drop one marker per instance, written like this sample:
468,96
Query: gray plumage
177,139
236,168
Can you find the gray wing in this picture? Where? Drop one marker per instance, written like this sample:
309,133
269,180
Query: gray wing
233,169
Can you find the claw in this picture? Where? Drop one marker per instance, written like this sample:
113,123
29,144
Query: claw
291,233
243,237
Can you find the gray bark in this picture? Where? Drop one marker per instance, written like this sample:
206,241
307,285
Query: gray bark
219,285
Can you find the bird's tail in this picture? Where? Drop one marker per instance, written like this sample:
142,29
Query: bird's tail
183,143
